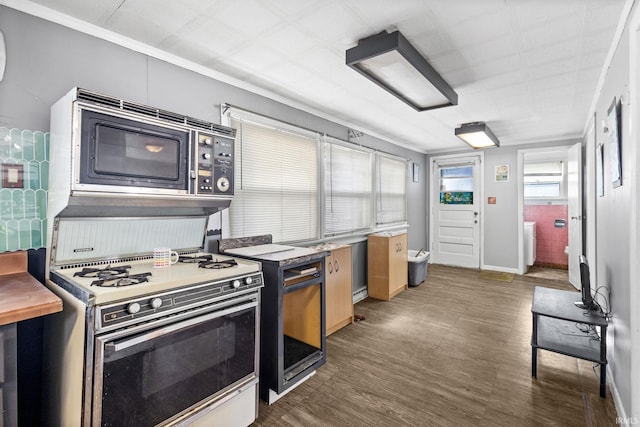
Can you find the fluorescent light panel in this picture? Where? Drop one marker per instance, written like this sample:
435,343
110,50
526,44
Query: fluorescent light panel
477,135
390,61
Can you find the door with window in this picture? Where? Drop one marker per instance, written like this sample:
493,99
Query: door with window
456,212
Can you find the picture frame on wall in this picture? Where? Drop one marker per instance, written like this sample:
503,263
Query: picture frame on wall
614,143
502,173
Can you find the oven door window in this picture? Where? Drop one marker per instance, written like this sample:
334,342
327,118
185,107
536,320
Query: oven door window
119,151
150,377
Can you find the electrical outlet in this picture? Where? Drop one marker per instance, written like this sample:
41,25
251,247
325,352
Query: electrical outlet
12,175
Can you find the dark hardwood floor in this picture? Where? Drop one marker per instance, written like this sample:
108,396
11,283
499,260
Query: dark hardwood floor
454,351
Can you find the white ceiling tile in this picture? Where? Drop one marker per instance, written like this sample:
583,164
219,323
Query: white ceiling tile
215,38
290,41
334,22
549,32
249,18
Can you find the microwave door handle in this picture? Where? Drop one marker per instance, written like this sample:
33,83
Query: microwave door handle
138,339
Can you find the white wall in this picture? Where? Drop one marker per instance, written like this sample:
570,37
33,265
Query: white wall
613,224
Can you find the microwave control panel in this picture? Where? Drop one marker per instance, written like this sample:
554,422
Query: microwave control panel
214,161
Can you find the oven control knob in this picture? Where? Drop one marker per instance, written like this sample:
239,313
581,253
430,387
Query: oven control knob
206,156
133,308
248,280
156,303
223,183
235,284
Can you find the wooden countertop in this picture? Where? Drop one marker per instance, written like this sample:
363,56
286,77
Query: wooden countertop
22,297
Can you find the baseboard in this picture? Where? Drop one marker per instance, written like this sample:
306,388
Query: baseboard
622,419
500,269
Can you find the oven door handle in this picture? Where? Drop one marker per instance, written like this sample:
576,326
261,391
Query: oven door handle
117,346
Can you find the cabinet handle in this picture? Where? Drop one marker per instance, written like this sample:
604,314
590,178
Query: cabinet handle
330,267
336,265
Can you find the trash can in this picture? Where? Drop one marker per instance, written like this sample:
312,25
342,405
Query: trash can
417,267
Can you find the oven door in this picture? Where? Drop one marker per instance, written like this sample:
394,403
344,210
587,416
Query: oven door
160,374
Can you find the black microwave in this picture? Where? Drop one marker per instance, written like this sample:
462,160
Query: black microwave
118,151
109,147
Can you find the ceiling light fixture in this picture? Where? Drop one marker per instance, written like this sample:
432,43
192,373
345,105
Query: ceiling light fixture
390,61
477,135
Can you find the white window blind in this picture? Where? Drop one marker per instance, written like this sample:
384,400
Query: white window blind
391,197
347,188
543,180
276,182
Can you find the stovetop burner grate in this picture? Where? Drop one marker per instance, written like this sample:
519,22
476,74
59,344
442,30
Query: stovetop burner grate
122,280
217,265
194,258
113,276
103,273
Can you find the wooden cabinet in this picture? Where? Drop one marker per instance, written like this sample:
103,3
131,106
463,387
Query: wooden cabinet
23,298
339,306
387,265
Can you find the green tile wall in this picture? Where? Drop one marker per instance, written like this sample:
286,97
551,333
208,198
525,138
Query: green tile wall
23,211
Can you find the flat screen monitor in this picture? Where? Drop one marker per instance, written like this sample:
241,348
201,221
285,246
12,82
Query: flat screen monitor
587,302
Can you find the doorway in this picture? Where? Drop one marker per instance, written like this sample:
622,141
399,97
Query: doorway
455,195
550,205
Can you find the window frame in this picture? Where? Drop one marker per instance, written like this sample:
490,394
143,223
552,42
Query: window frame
545,179
353,231
378,225
279,126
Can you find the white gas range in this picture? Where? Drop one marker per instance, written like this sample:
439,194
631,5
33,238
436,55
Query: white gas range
152,346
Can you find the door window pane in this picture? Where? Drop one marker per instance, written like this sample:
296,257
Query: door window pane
456,185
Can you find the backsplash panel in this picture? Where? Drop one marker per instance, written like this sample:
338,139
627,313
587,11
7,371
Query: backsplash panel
23,211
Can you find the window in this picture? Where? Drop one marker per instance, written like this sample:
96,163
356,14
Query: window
347,189
543,180
391,195
456,185
283,188
276,180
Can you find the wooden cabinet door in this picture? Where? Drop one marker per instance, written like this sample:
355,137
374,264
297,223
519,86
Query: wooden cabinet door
398,263
339,305
388,268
